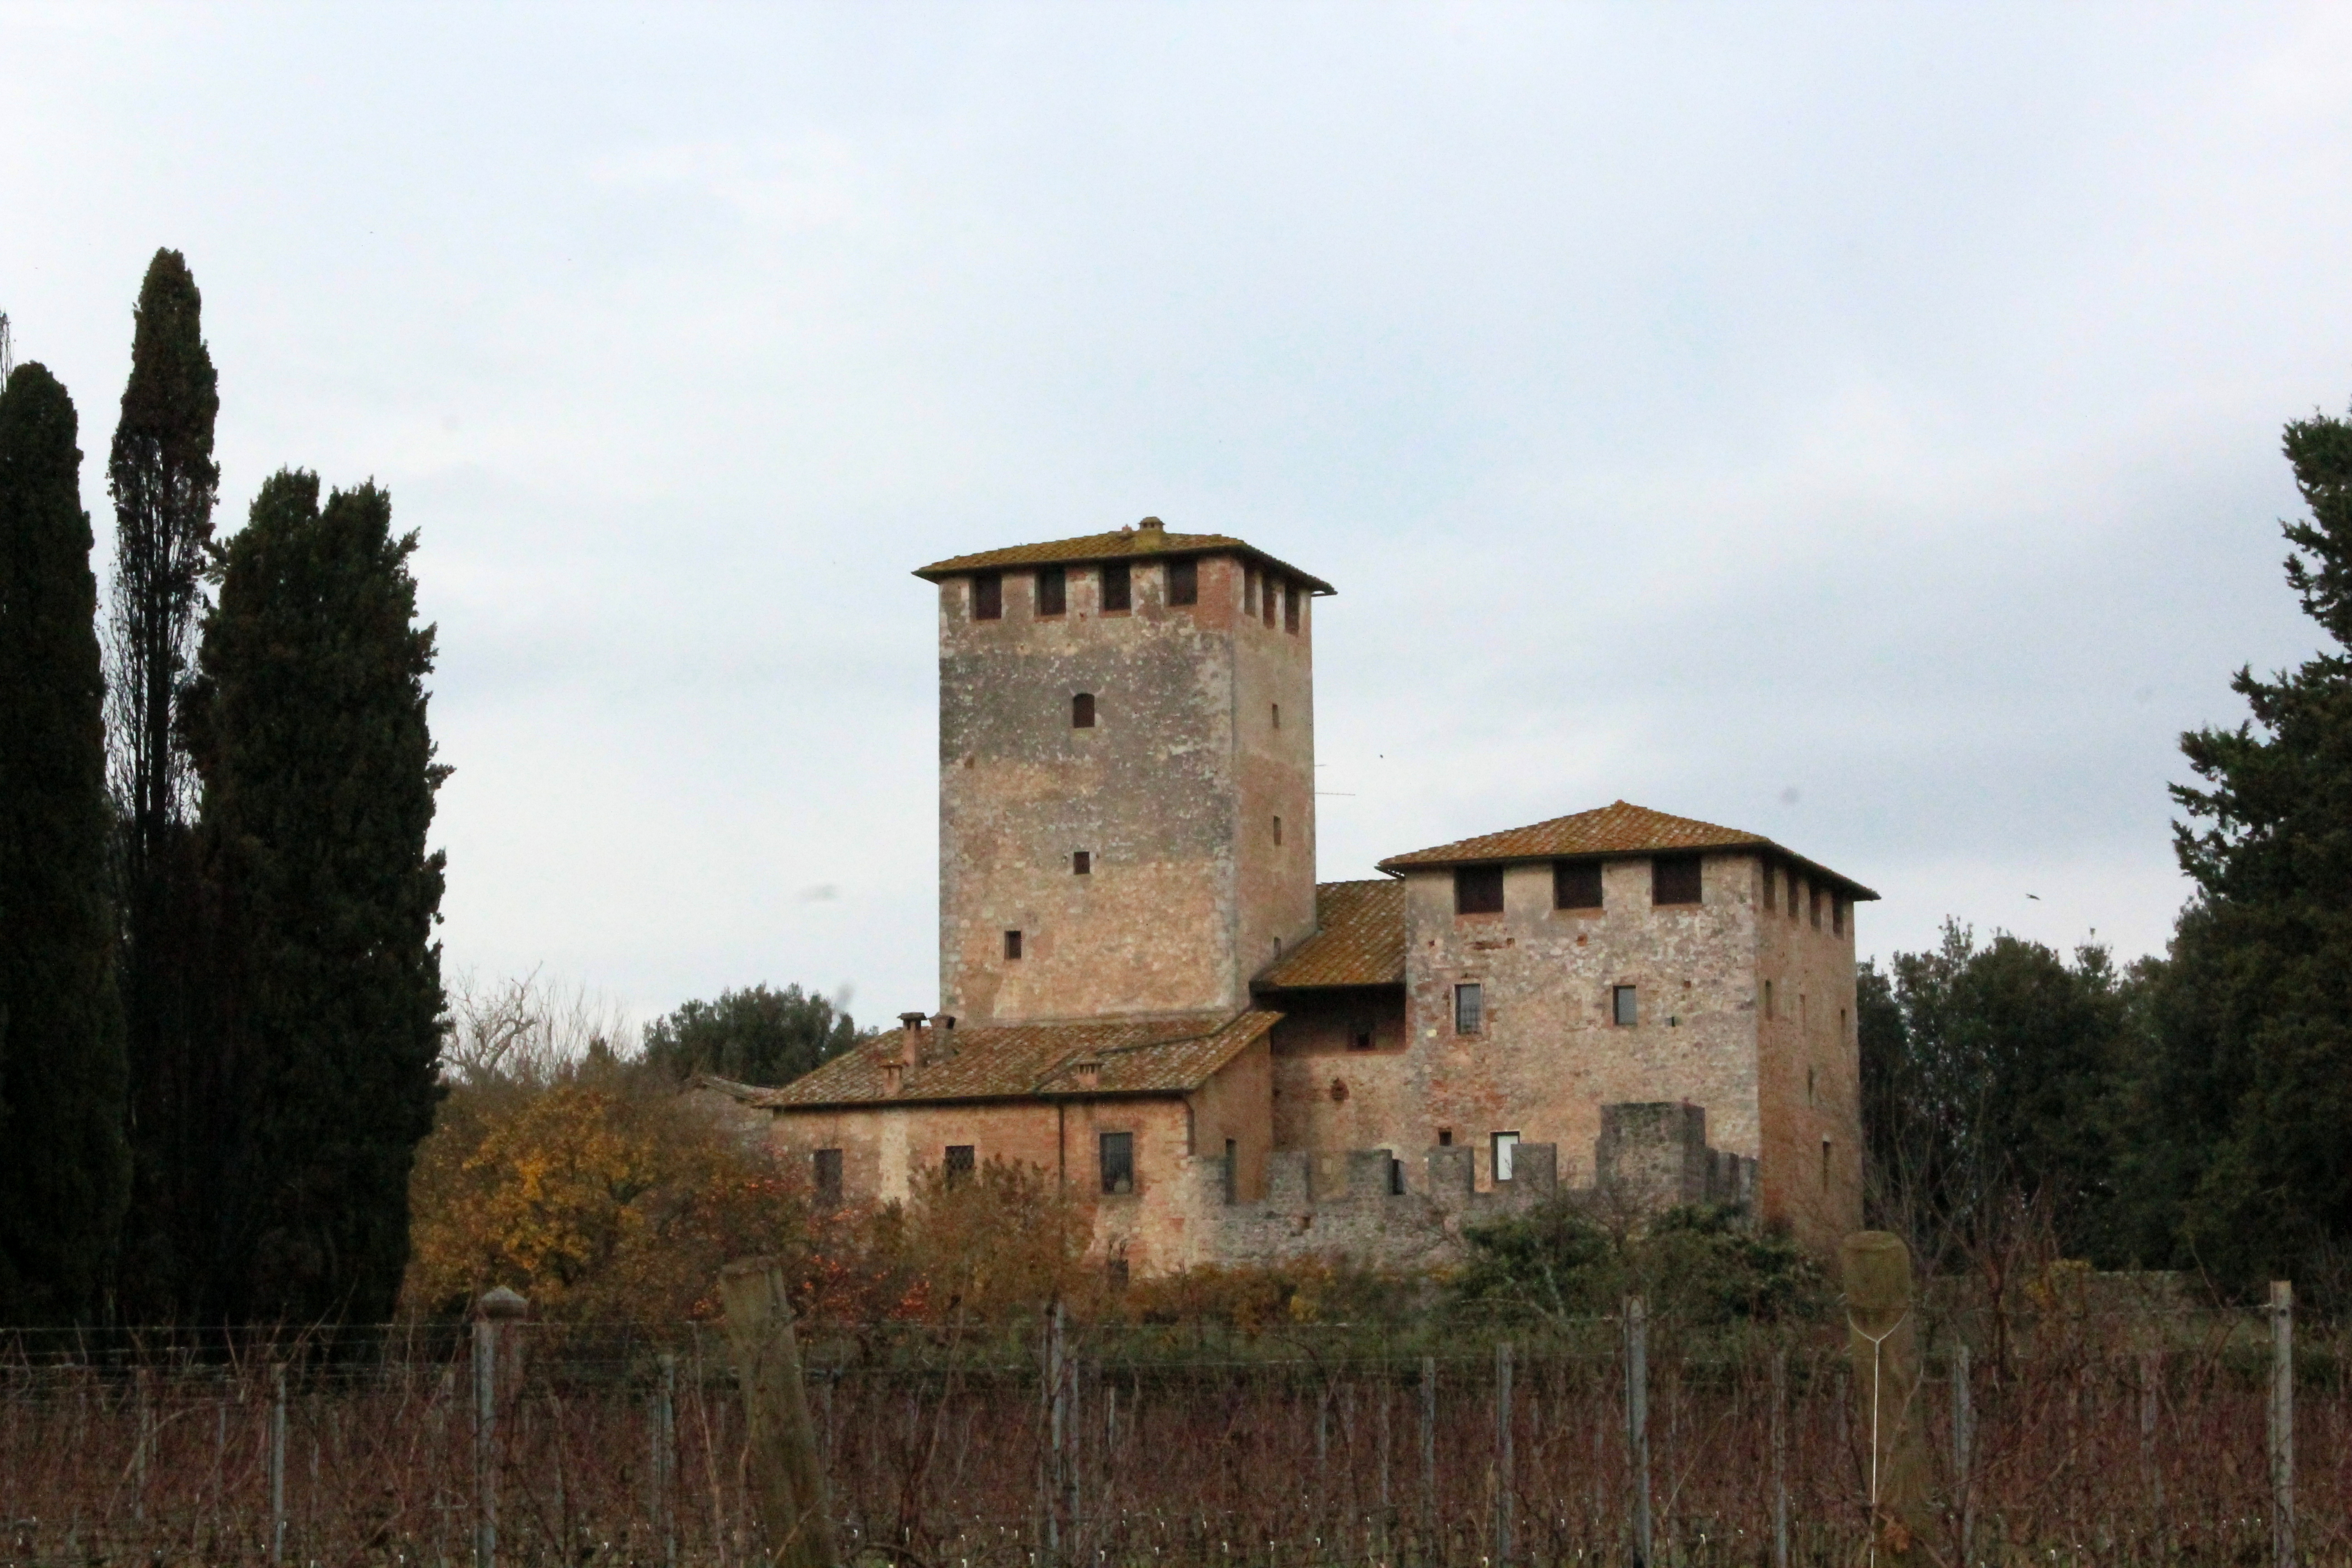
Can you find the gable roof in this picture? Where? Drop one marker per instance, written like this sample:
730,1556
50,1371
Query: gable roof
1122,544
1021,1061
1359,939
1611,831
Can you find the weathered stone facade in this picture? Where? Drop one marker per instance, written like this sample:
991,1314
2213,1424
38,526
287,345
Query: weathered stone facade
1137,964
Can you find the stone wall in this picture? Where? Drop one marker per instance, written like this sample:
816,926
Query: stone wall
1650,1156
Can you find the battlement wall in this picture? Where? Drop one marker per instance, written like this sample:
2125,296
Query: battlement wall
1369,1208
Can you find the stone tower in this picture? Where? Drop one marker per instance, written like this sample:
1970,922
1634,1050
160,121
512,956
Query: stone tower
1127,774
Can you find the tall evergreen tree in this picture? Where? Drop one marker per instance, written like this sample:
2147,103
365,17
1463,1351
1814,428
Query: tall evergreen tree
164,482
65,1170
754,1035
2250,1088
307,724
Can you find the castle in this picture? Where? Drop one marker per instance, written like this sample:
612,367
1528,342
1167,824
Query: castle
1145,991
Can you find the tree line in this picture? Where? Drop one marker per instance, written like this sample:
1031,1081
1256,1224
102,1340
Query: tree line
219,992
2192,1110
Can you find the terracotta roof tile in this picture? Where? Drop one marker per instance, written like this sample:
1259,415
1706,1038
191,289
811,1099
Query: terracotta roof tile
1155,1056
1359,939
1123,544
1616,829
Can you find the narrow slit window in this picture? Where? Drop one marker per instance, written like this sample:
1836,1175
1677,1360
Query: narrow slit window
1277,830
1675,879
1479,890
1277,715
1082,862
1290,607
1117,588
1768,999
1624,1006
959,1162
1183,582
1576,885
1825,1165
988,597
1469,1008
1082,710
828,1178
1118,1162
1053,590
1013,944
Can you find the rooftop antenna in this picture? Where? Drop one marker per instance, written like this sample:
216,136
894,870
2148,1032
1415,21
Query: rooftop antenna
8,351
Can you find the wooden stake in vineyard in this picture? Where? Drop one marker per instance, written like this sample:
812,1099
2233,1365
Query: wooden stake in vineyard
787,1482
1882,1344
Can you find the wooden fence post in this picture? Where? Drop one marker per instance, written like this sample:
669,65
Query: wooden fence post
2281,1424
1780,1458
1637,1420
277,1466
1504,1468
788,1484
496,1308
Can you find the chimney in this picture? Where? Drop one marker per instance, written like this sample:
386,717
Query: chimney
910,1038
894,1078
1151,525
1089,1075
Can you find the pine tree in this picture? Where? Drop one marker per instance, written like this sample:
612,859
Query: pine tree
2249,1086
164,482
65,1170
307,724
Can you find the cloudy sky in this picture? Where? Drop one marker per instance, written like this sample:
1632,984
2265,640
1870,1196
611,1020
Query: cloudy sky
1859,425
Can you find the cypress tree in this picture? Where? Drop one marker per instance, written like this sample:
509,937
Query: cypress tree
64,1167
307,725
164,482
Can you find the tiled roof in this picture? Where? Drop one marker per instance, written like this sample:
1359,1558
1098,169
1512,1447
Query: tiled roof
1123,544
1616,829
1154,1056
1359,939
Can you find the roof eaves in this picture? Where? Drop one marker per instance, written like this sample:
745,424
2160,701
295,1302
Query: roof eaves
1399,866
1015,556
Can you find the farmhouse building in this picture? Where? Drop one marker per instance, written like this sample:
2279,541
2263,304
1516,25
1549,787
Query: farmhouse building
1145,991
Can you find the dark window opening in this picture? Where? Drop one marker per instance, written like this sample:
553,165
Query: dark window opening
1469,1008
1360,1037
1117,588
1396,1177
1445,1137
1082,862
1013,944
1768,1001
1479,890
1053,590
1183,582
1249,591
1290,607
959,1164
1118,1162
1082,710
828,1178
1277,838
988,597
1576,884
1674,879
1814,898
1624,1006
1825,1165
1277,715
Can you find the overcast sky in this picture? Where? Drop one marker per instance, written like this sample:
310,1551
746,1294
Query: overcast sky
1856,424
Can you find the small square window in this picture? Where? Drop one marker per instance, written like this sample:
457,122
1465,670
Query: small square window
959,1164
988,597
1183,582
1469,1008
1479,890
1445,1137
1013,944
828,1178
1290,607
1624,1006
1082,862
1117,588
1082,710
1576,884
1675,879
1053,590
1118,1163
